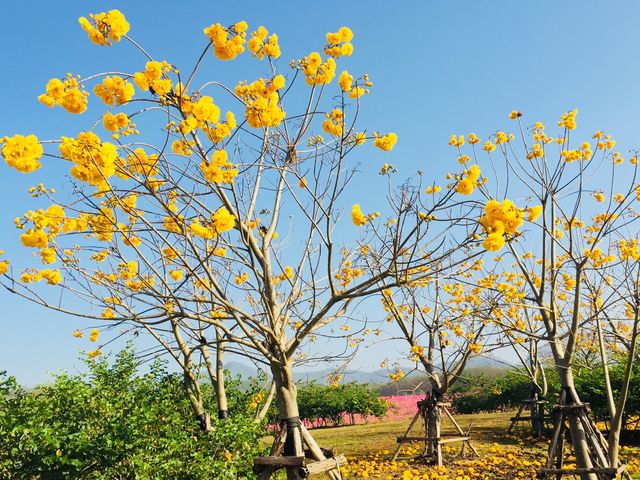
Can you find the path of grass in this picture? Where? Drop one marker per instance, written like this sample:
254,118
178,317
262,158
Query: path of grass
517,456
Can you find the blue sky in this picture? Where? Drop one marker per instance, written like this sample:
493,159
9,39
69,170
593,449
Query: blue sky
438,68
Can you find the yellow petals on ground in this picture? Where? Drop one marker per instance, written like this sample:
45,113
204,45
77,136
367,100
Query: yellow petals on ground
103,28
385,142
22,153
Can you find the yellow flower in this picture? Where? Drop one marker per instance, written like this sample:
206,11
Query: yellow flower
114,90
93,336
315,71
488,147
222,220
534,213
53,277
67,93
345,81
228,43
357,217
493,242
465,187
385,142
106,27
260,46
515,114
22,153
568,120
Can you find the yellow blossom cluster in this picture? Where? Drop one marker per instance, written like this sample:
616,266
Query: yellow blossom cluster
95,161
598,257
53,277
256,400
219,170
345,80
152,78
114,90
226,47
93,336
221,221
103,28
4,264
287,274
348,273
568,120
200,113
628,249
22,153
334,123
51,219
315,71
339,43
468,184
500,219
262,102
385,142
358,218
67,93
262,46
116,122
222,129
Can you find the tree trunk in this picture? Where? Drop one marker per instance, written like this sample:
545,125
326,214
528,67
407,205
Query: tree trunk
287,403
578,434
221,391
296,435
433,425
536,412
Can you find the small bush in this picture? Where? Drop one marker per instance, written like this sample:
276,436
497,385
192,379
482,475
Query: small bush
112,423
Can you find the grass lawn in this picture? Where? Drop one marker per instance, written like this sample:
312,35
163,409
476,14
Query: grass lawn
369,448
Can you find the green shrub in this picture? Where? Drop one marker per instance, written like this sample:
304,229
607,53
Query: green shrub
326,405
113,424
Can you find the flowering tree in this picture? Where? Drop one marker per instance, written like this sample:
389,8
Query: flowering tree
565,265
216,232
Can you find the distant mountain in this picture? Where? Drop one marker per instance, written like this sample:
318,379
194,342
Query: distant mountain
476,365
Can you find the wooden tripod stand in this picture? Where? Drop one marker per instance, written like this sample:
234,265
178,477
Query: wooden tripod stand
567,411
326,461
535,406
430,411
